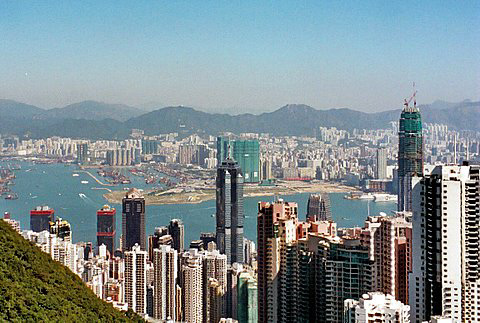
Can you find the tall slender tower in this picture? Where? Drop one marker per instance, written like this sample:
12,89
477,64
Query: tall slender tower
164,282
229,215
446,277
381,169
410,154
133,220
276,230
135,279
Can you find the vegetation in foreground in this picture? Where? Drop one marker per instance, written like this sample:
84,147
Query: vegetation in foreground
33,287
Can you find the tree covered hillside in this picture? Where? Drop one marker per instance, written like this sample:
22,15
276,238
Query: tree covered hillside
33,287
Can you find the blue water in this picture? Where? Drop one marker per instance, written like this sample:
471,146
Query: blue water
55,186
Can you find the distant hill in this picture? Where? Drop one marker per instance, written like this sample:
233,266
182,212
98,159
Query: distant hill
10,108
34,288
298,119
95,120
93,110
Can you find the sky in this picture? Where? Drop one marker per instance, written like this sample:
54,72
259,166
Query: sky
240,56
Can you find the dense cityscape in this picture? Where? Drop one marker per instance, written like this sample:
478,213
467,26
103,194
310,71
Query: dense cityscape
240,161
302,268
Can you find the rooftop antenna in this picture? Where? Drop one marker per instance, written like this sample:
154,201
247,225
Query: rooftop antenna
229,152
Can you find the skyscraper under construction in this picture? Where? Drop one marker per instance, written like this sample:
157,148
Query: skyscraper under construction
410,153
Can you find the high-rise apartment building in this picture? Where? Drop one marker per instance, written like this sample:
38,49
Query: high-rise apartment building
192,286
305,272
389,239
247,298
165,265
177,232
344,271
446,276
273,217
381,164
82,153
229,211
410,154
318,207
159,237
245,152
215,281
133,220
40,218
106,228
136,279
376,307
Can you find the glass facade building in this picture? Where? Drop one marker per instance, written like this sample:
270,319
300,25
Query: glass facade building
245,152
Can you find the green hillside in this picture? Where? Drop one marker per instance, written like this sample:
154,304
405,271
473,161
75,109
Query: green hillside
35,288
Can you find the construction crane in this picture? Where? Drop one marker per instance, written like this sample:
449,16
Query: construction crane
406,102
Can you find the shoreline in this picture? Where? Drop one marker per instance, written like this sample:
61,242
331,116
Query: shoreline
208,194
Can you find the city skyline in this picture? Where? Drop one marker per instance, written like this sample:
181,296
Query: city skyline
227,57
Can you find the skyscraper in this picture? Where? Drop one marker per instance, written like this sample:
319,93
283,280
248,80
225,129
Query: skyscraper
410,154
133,220
82,153
381,169
136,279
389,239
106,228
165,265
318,207
247,298
346,272
446,278
229,213
159,237
245,152
40,218
268,253
215,281
192,287
177,231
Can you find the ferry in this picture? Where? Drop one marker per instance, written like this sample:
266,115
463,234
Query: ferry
368,196
75,175
84,182
385,198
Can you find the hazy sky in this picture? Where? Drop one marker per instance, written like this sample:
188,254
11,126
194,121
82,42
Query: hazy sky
241,56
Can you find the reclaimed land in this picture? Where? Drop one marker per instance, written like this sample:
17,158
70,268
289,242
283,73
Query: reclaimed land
202,194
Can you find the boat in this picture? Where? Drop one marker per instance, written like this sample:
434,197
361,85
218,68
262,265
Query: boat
75,175
368,196
213,215
385,198
84,182
12,196
82,195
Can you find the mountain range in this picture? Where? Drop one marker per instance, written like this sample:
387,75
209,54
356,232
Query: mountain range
98,120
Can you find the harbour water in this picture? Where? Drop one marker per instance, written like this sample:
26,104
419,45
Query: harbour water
54,185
